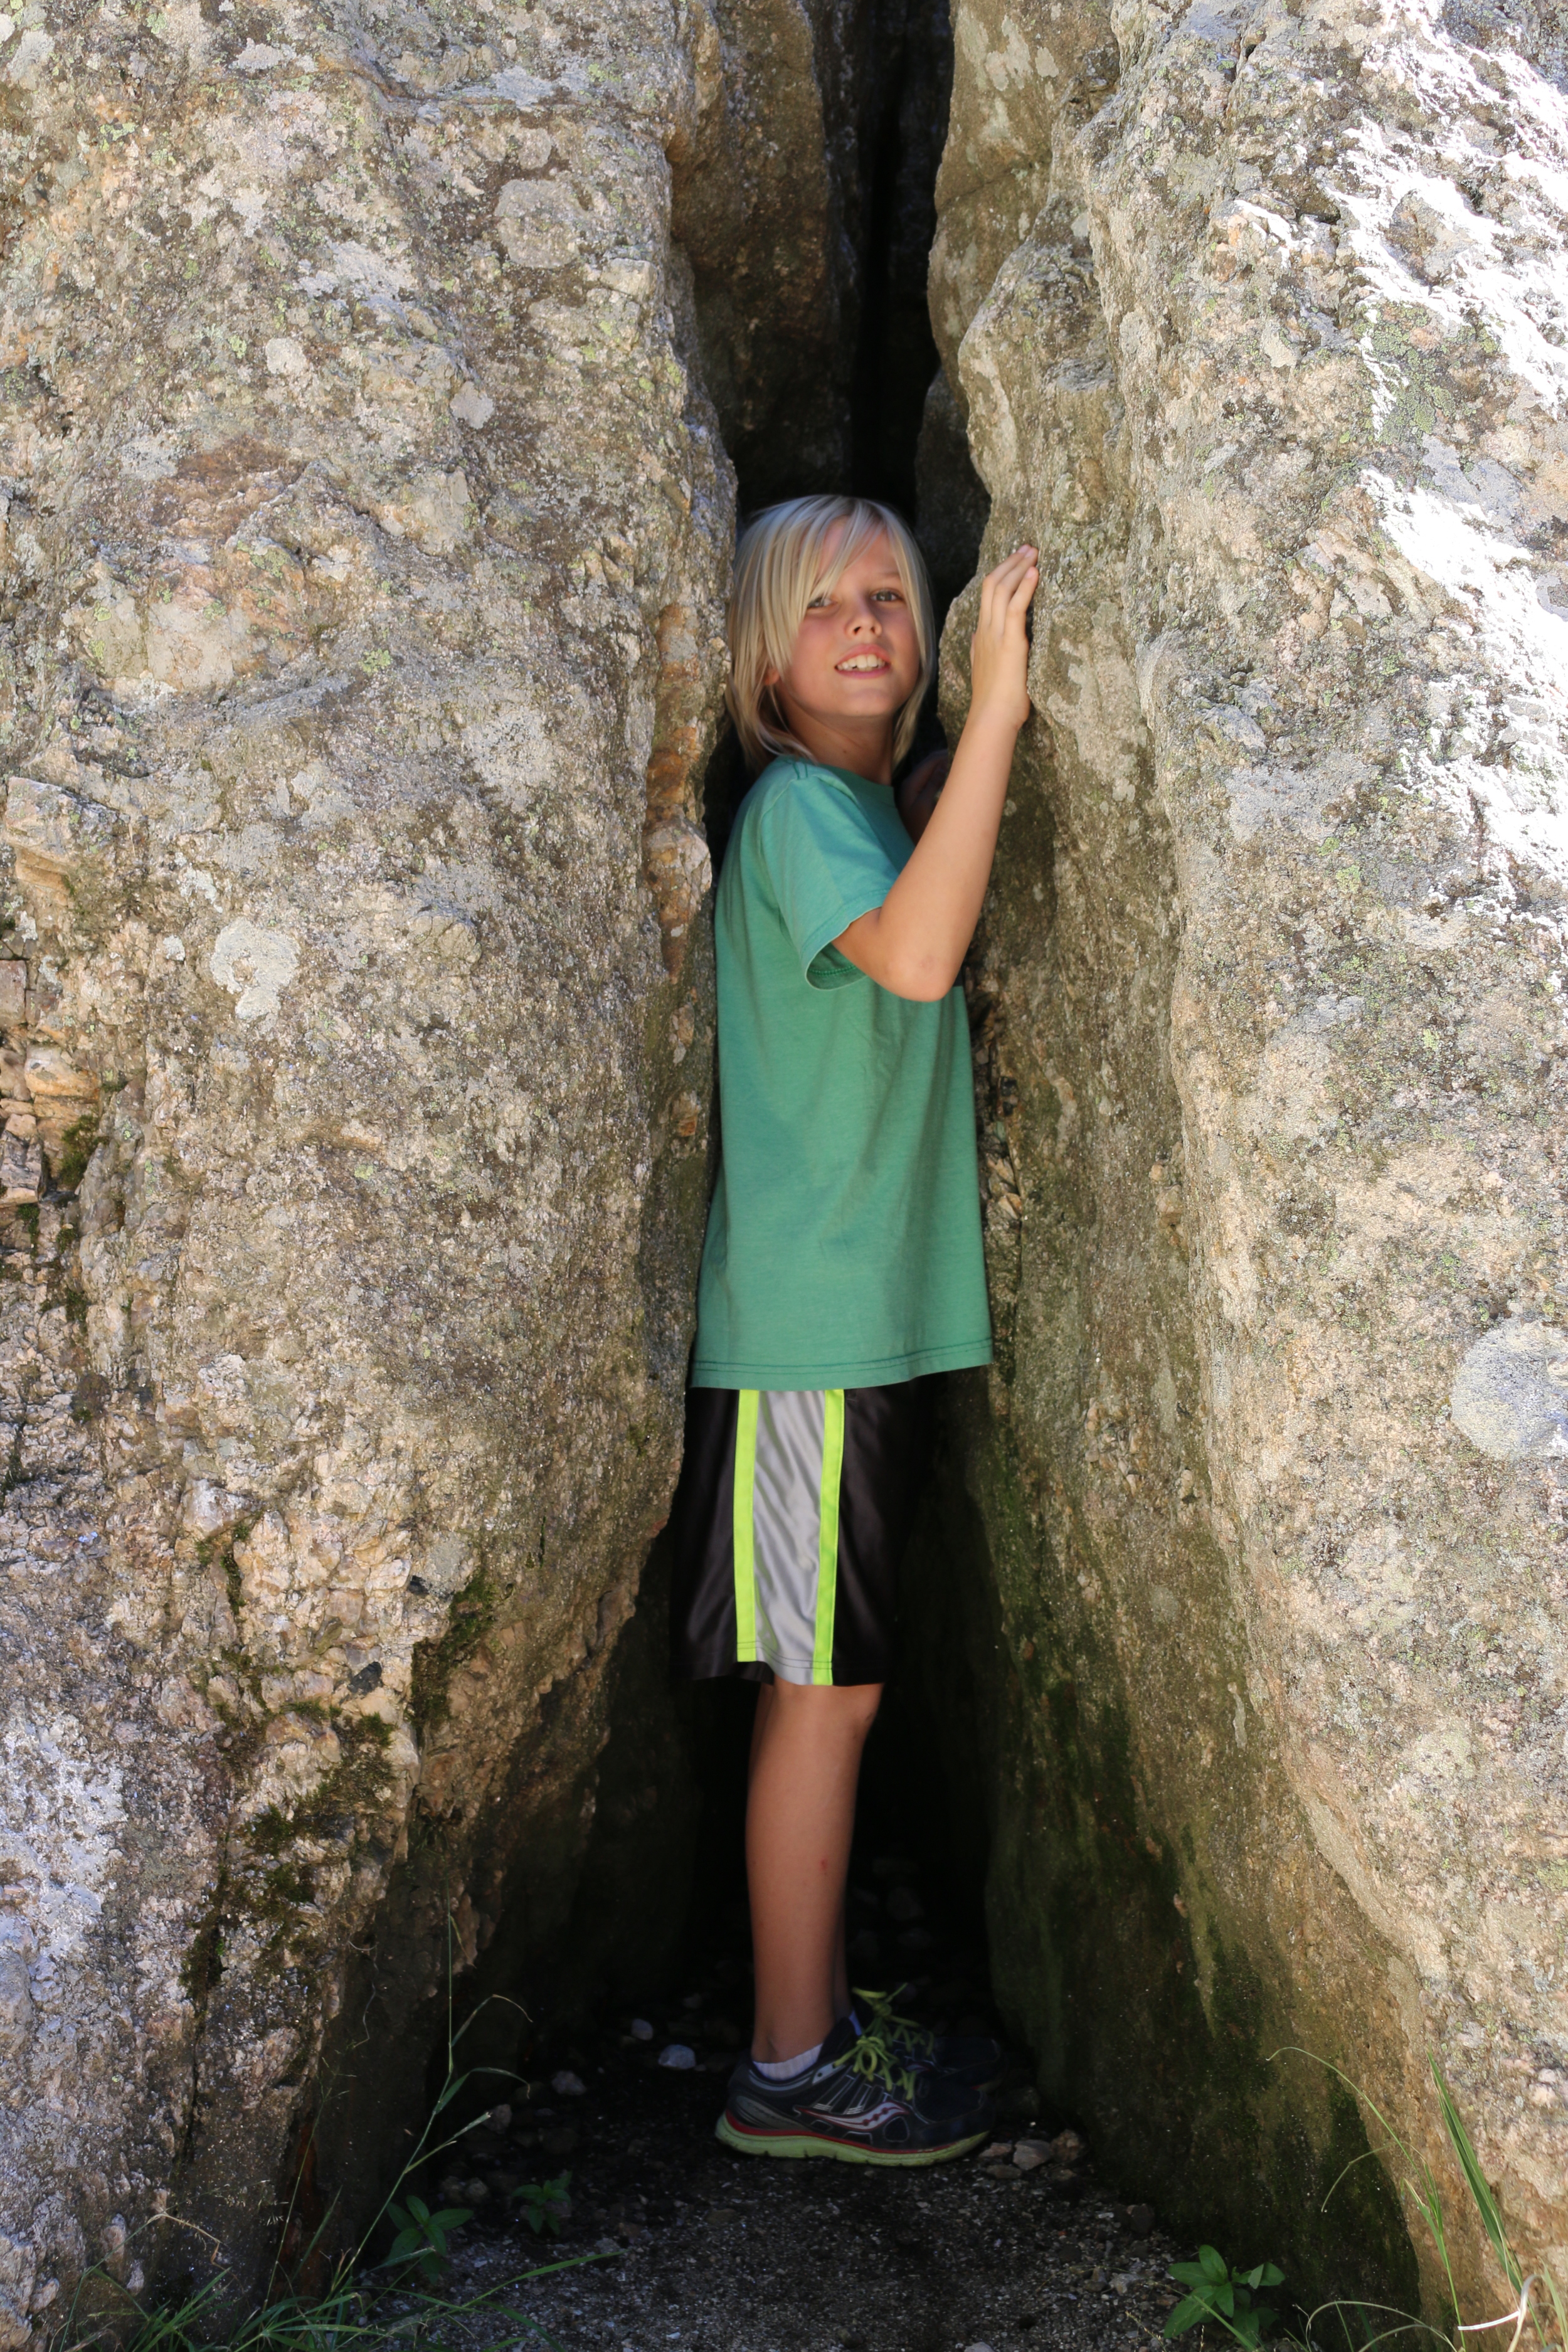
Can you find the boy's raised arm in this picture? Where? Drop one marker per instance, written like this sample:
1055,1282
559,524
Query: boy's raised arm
915,942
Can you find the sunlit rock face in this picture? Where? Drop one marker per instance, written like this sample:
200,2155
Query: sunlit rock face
367,537
1257,317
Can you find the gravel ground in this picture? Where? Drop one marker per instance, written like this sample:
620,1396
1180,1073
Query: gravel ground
717,2253
699,2249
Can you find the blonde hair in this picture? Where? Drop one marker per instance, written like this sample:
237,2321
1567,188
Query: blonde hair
781,563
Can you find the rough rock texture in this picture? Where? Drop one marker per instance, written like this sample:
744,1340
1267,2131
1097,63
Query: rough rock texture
1258,316
367,537
802,198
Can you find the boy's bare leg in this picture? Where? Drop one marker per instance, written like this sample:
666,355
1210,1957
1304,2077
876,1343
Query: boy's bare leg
841,2002
800,1817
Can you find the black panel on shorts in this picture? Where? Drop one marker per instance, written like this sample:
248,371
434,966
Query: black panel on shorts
888,1437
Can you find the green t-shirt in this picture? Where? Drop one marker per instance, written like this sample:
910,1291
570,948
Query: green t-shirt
843,1245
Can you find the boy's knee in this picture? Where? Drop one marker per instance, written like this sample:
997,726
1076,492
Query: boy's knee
855,1705
869,1695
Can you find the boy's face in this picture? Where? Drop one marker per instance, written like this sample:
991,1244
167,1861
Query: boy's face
855,664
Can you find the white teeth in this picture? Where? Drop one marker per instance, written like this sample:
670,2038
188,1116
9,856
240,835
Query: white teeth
864,661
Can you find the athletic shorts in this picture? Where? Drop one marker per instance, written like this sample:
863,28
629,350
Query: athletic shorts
790,1519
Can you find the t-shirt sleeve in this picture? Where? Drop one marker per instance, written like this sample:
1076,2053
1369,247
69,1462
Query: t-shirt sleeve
827,868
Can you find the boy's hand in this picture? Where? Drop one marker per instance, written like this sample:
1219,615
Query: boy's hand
914,942
999,650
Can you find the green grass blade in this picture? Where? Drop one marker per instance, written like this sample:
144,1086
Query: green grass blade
449,2090
1294,2049
1475,2181
1407,2324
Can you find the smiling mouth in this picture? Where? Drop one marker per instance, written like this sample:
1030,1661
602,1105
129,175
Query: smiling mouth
858,664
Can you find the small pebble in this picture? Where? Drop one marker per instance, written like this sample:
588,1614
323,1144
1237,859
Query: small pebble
499,2119
641,2031
677,2055
475,2191
1027,2155
997,2148
1141,2220
567,2085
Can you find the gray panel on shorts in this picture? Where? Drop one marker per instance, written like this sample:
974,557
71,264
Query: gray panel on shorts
786,1520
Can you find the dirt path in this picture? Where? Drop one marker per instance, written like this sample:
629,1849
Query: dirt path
704,2251
709,2251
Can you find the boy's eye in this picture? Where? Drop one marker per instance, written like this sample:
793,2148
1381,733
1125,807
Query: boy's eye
819,603
888,597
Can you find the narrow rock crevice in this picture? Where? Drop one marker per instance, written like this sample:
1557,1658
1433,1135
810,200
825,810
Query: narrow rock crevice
662,1869
377,395
802,203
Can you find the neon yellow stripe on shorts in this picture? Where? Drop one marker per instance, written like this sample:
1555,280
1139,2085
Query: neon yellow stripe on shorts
827,1533
744,1483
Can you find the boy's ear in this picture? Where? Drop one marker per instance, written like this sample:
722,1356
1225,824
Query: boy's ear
771,676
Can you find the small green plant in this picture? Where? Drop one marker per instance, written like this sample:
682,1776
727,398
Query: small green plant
345,2317
78,1144
364,2305
422,2236
1217,2291
544,2204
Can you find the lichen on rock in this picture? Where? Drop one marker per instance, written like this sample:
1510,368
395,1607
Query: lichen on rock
1255,315
366,530
367,537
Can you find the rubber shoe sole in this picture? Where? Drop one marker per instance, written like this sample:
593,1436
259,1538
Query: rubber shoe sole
808,2144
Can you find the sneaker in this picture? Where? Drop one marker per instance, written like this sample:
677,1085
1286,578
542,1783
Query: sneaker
975,2059
859,2103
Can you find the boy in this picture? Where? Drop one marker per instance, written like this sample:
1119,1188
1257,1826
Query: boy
842,1265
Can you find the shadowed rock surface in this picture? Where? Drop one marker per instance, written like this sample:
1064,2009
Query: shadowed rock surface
1257,317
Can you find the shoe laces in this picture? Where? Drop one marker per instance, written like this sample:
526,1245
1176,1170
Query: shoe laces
885,2020
872,2057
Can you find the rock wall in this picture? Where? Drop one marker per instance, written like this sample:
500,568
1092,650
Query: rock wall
367,537
1256,314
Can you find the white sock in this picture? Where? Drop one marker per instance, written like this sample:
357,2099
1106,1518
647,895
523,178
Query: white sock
784,2070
